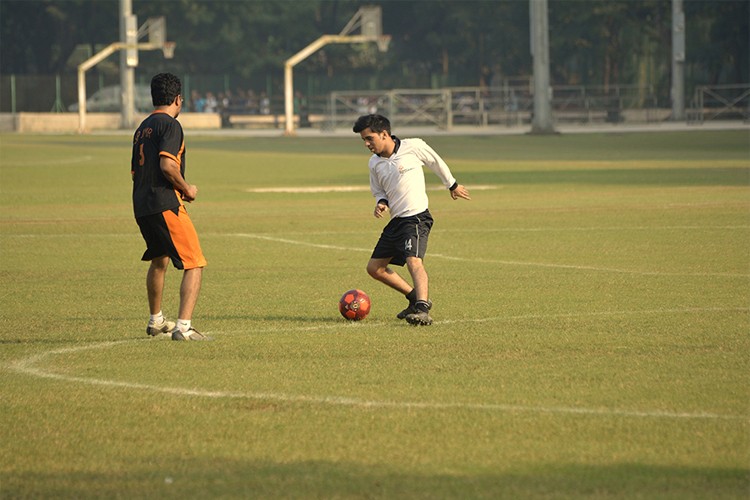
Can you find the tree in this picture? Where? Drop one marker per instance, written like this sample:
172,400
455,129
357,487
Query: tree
717,42
38,36
443,42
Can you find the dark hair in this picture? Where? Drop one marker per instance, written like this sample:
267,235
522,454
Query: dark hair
376,123
165,87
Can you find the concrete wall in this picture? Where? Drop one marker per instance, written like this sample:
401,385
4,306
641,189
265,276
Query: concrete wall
7,122
68,122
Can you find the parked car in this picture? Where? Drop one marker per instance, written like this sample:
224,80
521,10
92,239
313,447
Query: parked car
109,100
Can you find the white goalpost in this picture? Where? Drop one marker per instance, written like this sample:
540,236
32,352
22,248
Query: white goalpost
155,28
367,19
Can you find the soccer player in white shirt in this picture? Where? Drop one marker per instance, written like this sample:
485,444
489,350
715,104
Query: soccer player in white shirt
397,183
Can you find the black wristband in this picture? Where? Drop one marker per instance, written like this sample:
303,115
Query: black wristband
383,201
454,186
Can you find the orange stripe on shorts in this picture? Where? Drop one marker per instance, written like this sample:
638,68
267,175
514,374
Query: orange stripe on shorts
185,238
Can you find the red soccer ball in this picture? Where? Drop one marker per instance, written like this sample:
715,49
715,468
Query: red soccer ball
354,305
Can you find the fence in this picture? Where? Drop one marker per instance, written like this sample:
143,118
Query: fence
57,93
720,102
508,105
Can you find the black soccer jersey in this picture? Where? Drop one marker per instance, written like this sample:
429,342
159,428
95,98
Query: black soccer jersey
158,135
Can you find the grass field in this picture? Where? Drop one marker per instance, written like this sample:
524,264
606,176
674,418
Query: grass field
591,335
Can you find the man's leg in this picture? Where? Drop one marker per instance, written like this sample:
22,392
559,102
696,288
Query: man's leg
189,291
419,276
155,283
155,277
378,269
422,306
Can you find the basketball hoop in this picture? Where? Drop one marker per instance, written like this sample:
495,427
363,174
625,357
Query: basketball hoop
168,49
383,42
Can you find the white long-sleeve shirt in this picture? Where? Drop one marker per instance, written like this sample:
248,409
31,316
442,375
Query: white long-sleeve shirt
399,179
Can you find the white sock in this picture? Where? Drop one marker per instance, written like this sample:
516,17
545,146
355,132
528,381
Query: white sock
157,318
184,324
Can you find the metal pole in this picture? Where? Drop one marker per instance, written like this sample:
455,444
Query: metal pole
678,61
186,91
58,106
13,94
127,73
542,120
288,100
81,100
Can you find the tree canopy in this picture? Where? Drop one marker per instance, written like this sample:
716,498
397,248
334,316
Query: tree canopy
435,42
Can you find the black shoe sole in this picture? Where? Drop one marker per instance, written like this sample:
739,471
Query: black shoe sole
418,322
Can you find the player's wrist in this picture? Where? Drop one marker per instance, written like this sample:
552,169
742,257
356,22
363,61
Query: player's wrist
454,186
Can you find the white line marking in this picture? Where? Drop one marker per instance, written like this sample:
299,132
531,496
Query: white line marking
48,162
28,366
492,261
598,313
434,255
343,189
440,230
376,324
309,189
70,235
564,229
297,242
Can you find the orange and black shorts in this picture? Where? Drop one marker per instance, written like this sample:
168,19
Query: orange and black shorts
172,233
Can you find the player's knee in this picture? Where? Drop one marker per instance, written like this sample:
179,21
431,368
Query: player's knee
375,270
372,271
414,263
160,263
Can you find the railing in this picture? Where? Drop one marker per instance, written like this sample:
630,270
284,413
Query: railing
482,106
720,102
412,107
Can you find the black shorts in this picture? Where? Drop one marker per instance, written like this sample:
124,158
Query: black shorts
172,233
404,237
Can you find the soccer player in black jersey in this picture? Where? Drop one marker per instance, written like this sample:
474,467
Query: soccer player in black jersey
159,193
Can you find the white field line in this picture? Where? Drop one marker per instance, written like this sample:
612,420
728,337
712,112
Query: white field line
343,189
517,317
689,310
435,255
592,229
490,261
28,366
441,230
298,242
48,162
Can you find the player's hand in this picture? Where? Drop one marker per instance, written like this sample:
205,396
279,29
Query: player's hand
460,192
190,193
380,210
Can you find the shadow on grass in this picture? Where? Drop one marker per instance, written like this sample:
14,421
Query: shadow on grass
225,478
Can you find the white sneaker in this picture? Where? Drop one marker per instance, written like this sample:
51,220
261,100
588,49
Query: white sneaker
191,334
157,329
